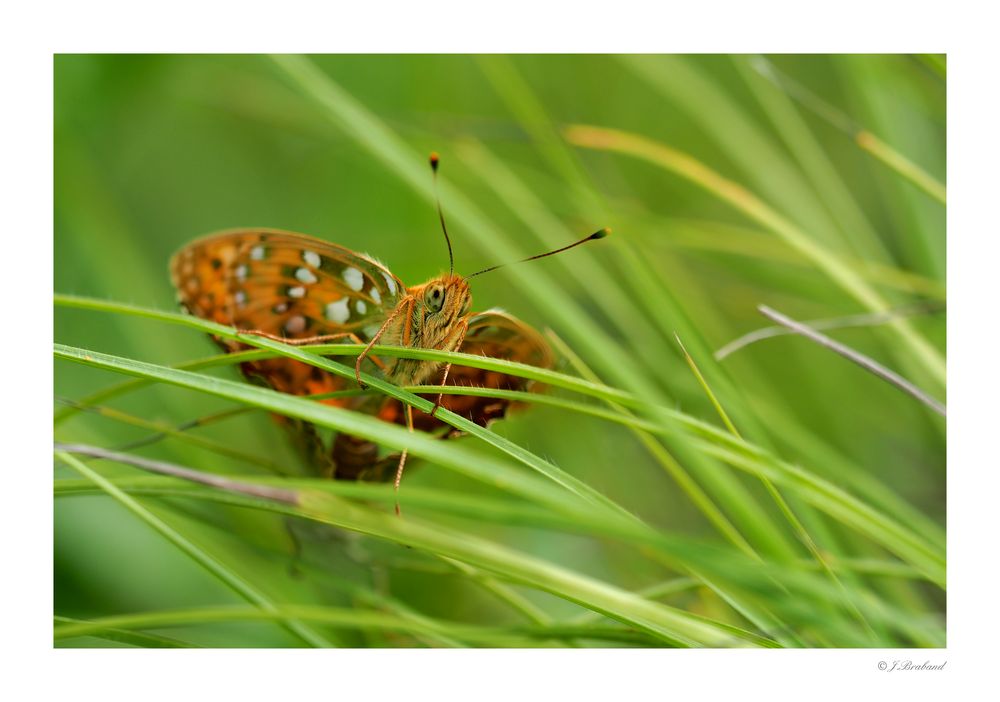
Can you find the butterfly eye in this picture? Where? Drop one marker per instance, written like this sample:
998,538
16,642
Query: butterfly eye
434,299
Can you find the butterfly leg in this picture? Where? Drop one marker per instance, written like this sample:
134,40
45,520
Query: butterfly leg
461,330
309,340
402,457
303,341
403,304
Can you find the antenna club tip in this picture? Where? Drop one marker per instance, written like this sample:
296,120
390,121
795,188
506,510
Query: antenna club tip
601,234
434,159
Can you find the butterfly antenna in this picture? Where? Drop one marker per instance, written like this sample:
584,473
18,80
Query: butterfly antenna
437,198
596,235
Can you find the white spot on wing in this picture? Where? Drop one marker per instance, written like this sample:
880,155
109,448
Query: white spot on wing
297,291
376,295
354,278
337,311
312,258
281,308
240,297
257,252
360,306
304,275
241,272
390,282
296,324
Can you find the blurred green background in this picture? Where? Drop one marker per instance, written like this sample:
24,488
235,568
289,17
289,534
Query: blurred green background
153,151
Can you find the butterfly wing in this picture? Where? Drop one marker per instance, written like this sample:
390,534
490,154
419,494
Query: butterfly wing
288,285
292,286
495,334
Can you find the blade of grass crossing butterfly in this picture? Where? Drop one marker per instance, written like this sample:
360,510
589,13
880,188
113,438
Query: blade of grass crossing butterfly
289,286
492,333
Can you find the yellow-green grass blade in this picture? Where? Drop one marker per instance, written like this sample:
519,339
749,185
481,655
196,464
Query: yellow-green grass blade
743,200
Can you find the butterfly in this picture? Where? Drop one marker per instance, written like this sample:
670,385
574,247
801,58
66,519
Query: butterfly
301,289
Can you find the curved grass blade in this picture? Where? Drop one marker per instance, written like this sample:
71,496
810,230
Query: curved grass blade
460,458
861,136
209,562
779,499
743,200
163,429
494,637
132,638
184,377
672,626
916,522
725,565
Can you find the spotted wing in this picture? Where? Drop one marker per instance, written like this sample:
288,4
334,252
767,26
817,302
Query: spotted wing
289,285
496,334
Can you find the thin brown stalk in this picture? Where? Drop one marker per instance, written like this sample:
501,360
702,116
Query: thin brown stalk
860,359
854,320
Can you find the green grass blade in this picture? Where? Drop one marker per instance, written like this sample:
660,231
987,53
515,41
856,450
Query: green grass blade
663,417
672,626
460,458
132,638
212,385
209,562
742,199
725,566
783,505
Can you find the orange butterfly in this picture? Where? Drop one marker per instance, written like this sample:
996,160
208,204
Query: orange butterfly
293,287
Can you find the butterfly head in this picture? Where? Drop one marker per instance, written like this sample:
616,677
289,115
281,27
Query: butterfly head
444,299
